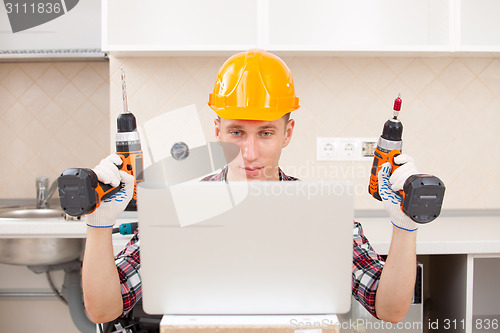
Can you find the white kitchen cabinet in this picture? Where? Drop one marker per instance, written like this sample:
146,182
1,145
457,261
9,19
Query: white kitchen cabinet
188,27
359,25
174,25
464,293
483,294
479,25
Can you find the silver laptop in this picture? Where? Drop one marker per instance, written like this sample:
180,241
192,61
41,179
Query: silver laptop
246,248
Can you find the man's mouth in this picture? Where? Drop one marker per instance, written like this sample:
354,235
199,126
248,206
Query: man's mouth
253,171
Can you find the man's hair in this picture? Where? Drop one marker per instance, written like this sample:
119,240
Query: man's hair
286,117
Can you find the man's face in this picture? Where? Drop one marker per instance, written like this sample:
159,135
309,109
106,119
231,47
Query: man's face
260,145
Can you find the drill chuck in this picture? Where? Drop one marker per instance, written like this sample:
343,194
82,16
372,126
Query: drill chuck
393,130
126,122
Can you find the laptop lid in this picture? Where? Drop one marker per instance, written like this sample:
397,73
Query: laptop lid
246,248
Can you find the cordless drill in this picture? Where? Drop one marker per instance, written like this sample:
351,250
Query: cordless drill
422,195
80,191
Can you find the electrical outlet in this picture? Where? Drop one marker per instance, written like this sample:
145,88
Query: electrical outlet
345,149
326,149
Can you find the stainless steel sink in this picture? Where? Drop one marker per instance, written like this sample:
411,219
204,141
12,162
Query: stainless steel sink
30,213
39,251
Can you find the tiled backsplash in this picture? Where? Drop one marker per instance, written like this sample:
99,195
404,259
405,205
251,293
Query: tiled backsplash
56,115
450,113
53,115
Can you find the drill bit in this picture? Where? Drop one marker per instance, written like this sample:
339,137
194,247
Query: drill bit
397,106
124,92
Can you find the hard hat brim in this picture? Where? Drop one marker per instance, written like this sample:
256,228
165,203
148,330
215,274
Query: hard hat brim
250,113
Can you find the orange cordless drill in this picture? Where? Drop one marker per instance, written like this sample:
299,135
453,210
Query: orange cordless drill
80,191
422,195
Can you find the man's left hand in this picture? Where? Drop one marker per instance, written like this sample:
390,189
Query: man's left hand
389,184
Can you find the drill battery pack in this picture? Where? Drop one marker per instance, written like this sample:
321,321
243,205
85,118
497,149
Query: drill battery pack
423,198
80,191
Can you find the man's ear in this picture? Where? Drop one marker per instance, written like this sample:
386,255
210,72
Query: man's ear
288,132
217,129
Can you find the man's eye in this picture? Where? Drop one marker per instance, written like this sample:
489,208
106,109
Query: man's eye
267,134
236,133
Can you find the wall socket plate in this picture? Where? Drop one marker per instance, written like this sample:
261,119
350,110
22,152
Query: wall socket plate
345,148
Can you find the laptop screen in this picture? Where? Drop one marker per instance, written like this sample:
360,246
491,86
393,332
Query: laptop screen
246,247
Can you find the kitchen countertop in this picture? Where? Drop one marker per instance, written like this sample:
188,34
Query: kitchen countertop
51,227
473,232
445,235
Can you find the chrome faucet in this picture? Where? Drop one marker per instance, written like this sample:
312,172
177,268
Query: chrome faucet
43,193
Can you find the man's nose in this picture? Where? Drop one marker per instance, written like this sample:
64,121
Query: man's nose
250,149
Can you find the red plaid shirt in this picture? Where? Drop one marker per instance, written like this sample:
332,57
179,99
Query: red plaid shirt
366,264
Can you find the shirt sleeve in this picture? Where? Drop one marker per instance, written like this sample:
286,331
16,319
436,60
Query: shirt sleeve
128,264
367,267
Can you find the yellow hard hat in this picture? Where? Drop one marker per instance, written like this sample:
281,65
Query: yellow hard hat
255,85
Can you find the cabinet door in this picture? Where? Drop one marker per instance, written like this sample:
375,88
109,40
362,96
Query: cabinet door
176,25
359,24
486,294
480,25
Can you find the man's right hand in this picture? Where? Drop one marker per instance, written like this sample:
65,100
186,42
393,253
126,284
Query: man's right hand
107,172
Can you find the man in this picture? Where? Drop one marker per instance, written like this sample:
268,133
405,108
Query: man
253,97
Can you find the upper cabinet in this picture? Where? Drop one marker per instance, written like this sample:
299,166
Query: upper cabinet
359,25
478,26
50,29
154,27
131,26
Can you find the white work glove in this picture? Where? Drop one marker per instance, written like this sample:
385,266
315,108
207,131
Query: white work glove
106,214
389,184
